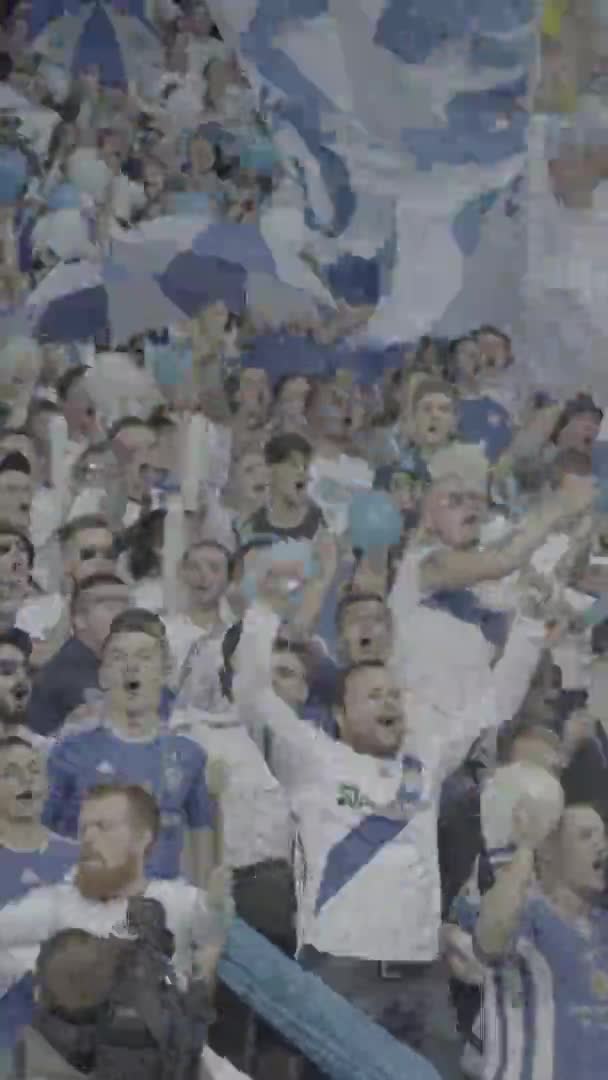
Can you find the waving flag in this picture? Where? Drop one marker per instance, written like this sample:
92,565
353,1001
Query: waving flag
112,35
405,124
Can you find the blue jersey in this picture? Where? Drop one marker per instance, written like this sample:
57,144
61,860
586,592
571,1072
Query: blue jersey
171,767
546,1008
21,871
485,422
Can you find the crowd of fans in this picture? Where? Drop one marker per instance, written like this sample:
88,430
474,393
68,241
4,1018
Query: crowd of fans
384,732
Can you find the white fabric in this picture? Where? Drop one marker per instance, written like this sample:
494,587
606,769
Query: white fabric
443,660
182,634
40,615
333,482
391,908
45,516
26,923
220,1068
255,809
148,594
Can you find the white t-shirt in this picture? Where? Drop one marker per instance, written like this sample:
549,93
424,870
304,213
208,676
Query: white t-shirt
28,922
255,810
366,854
200,683
40,615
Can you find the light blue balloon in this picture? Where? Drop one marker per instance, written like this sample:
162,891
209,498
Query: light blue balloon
259,156
374,521
171,364
13,174
185,203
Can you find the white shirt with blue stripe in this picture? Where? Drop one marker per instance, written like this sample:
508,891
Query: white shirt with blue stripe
368,875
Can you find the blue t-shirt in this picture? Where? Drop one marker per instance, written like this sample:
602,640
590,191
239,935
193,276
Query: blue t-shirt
486,422
21,871
172,767
546,1009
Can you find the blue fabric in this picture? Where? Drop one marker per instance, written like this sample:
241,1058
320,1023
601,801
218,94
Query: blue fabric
482,420
241,244
366,839
339,1039
98,47
464,605
191,282
172,767
76,317
60,686
20,872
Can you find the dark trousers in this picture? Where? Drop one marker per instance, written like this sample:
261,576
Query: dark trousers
413,1006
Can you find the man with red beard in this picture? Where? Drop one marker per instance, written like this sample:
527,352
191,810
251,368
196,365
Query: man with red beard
118,825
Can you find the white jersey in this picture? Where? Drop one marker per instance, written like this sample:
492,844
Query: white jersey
45,911
367,865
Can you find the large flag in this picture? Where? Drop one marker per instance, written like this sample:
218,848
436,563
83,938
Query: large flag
404,124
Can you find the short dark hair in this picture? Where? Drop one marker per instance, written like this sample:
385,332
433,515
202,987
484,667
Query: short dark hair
138,621
125,422
286,379
145,812
18,639
352,669
494,331
349,599
6,529
79,524
94,581
16,462
281,447
66,381
215,546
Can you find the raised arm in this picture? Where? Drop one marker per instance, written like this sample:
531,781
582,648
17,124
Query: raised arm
452,568
298,747
501,908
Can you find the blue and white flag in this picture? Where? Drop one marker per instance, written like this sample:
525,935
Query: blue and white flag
404,126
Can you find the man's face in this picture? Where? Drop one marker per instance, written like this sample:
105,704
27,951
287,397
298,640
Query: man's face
111,848
339,410
293,400
16,491
251,480
372,720
403,491
80,411
205,572
468,361
495,353
23,786
289,480
254,398
289,678
130,440
455,515
14,685
434,421
14,574
580,433
133,674
202,155
582,851
366,632
97,609
90,551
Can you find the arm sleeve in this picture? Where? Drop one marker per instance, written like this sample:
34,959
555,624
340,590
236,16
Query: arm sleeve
526,929
510,679
298,748
200,808
63,802
29,920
